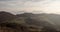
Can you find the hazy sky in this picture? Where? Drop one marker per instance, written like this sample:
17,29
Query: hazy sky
48,6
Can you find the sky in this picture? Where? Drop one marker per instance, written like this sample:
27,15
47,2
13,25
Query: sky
31,6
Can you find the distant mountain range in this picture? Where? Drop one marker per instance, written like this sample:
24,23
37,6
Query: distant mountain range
52,18
41,19
45,20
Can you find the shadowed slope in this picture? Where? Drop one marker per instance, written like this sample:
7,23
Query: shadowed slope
6,16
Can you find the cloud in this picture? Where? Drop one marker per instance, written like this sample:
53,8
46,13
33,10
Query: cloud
30,0
17,3
5,0
25,5
23,0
